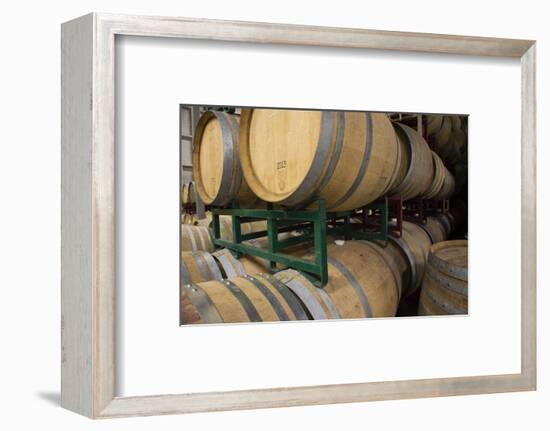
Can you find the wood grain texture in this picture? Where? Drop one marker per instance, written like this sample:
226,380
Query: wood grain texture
88,200
529,218
77,376
289,34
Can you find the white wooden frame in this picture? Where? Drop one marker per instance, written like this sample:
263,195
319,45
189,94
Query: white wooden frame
88,202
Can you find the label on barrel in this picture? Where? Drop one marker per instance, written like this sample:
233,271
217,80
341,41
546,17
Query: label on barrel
281,164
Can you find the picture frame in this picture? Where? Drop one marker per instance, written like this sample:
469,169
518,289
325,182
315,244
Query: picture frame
88,214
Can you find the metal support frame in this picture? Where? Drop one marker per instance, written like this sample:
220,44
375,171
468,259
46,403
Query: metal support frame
416,210
374,225
374,221
313,223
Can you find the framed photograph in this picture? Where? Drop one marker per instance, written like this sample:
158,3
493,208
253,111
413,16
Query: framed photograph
264,215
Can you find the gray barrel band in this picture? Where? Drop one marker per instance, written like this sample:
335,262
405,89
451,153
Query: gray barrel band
414,281
328,302
457,286
425,229
245,302
227,267
224,196
185,274
212,265
191,236
443,305
324,295
202,302
351,280
289,297
315,309
201,265
364,163
456,271
272,299
334,158
231,266
238,173
305,189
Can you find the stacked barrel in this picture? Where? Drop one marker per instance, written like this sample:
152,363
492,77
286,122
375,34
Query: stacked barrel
291,158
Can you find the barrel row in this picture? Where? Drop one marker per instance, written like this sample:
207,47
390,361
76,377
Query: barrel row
361,284
409,251
365,280
447,136
198,266
293,157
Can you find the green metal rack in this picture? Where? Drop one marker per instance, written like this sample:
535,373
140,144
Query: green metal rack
313,223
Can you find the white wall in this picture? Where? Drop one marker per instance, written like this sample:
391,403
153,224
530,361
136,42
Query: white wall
29,219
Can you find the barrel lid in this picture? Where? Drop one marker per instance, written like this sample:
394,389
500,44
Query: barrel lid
279,147
450,257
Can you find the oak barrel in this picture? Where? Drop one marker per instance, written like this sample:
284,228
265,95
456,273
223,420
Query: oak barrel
360,282
226,227
254,264
435,229
414,244
419,162
198,266
229,265
438,178
292,157
257,298
445,286
216,167
194,238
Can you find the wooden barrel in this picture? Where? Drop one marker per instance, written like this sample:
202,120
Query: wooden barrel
438,179
187,218
414,244
254,264
445,220
198,266
435,229
456,124
448,188
188,193
401,165
395,262
229,265
194,238
360,281
184,193
442,138
445,286
434,123
226,227
461,139
419,161
317,302
292,157
241,299
206,221
216,167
